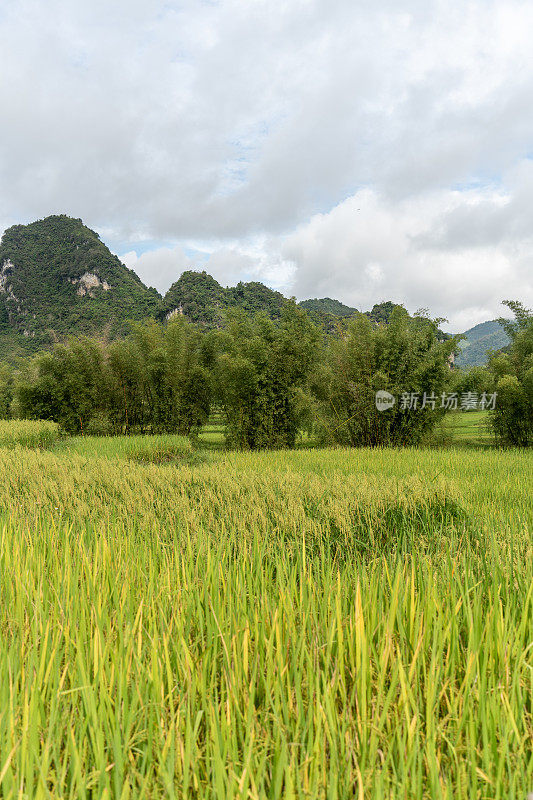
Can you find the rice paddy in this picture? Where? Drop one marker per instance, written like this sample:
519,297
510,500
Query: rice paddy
307,624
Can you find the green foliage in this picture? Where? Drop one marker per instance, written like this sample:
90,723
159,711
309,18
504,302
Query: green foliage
328,312
67,385
41,297
270,377
261,369
476,379
152,381
255,297
381,312
512,418
159,379
6,391
327,305
405,356
197,296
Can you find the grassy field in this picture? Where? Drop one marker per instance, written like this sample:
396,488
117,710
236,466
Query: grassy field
469,429
457,429
308,624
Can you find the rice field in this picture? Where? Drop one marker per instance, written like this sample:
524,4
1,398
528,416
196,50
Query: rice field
306,624
28,433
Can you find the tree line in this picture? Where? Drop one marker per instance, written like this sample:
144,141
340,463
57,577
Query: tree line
270,379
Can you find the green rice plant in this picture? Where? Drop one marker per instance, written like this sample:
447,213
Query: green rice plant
192,632
164,449
28,433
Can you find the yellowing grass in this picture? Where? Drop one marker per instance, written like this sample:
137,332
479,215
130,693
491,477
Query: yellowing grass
141,449
28,433
326,624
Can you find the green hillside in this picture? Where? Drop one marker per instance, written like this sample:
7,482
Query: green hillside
58,278
195,295
478,341
326,305
200,298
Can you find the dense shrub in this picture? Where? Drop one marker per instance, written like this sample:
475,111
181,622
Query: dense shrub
512,418
152,381
6,391
67,385
261,369
406,356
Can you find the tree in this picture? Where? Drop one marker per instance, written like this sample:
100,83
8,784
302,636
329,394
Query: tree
155,380
262,368
68,385
159,380
404,357
6,391
512,418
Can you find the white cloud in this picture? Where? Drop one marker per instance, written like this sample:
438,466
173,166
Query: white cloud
158,268
255,259
254,130
423,252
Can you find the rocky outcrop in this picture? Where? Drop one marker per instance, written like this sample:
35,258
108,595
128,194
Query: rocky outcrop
176,312
6,271
88,283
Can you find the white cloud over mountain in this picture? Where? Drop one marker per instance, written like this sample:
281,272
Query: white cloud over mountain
352,149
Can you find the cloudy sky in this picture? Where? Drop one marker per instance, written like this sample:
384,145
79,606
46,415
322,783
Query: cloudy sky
346,148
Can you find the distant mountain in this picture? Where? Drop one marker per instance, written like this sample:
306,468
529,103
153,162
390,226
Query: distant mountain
58,278
327,312
328,306
200,298
478,341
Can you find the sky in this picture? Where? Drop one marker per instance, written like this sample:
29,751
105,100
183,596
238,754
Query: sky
329,148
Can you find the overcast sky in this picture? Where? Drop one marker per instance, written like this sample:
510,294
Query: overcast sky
354,149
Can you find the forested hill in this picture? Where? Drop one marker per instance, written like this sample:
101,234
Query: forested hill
478,342
327,305
200,298
58,278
